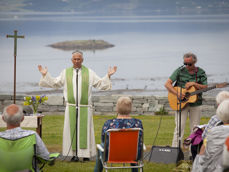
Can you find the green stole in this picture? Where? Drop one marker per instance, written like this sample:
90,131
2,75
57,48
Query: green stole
83,110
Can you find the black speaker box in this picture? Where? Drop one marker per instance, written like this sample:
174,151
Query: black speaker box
165,154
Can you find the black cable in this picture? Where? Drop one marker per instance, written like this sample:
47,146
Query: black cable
70,146
159,126
42,166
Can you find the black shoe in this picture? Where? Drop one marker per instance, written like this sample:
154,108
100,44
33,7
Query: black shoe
75,159
86,159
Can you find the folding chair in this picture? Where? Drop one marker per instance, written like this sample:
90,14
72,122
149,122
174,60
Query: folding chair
20,154
16,155
121,148
226,155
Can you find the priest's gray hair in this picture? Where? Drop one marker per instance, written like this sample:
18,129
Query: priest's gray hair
222,111
187,55
78,52
124,105
13,119
221,96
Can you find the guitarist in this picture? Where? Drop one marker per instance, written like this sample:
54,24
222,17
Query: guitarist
186,77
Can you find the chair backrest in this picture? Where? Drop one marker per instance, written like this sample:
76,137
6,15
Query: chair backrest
123,145
16,155
226,155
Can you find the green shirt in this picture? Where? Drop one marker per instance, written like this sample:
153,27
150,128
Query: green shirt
199,77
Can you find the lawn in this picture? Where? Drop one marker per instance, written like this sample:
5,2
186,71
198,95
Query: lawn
52,136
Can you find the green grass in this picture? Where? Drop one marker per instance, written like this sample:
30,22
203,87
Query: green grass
52,136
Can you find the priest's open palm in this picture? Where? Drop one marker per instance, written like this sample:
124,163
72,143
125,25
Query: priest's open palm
112,70
42,70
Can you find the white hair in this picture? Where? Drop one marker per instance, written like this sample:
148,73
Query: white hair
124,105
187,55
222,111
77,52
221,96
14,119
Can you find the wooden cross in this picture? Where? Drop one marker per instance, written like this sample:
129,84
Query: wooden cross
15,36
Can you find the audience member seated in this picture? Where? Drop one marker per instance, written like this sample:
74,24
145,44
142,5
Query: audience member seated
123,120
214,121
13,116
226,155
195,138
210,157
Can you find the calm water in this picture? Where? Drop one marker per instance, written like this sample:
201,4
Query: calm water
147,49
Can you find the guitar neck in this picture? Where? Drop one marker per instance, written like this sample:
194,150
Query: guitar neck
203,90
209,88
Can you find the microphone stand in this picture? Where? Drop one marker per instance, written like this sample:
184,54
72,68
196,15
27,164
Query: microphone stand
76,158
77,108
174,151
179,101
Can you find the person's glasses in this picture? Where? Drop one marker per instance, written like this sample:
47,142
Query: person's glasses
188,64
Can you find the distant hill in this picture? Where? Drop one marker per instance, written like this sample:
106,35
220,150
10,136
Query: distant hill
118,7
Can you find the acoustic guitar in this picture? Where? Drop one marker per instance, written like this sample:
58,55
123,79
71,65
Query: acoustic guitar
190,95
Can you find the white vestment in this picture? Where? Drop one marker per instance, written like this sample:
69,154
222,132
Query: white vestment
94,81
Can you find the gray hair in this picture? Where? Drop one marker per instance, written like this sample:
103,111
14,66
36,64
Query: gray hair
222,111
187,55
221,96
77,52
14,119
124,105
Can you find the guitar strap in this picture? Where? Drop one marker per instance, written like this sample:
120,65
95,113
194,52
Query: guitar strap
196,70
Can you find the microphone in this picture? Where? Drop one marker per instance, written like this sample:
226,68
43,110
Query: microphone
181,67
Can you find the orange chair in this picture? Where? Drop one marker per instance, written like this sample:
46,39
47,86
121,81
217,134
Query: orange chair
122,149
226,155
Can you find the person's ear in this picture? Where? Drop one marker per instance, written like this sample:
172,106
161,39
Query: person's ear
22,119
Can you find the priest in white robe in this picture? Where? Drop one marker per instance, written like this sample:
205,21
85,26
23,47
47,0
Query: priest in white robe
84,145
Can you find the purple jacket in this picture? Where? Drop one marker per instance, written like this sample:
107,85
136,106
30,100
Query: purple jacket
196,137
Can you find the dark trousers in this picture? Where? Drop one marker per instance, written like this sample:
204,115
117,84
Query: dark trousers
195,149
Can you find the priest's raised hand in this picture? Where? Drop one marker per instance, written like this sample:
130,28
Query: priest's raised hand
111,71
42,70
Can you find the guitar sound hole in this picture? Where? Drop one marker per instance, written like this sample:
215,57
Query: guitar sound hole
183,100
187,95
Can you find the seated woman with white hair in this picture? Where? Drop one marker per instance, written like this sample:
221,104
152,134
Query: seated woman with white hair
210,157
215,121
123,120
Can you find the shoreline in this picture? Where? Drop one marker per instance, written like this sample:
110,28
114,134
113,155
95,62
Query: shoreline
130,92
110,92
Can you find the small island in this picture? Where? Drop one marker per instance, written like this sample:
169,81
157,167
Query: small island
82,45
